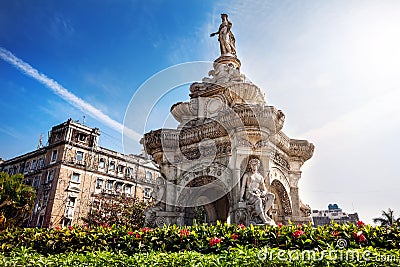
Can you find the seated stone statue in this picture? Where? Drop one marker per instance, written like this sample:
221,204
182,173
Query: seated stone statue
254,192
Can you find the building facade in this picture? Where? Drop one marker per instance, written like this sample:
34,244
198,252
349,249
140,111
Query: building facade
333,213
71,170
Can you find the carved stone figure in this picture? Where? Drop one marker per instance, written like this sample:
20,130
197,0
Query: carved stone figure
254,192
225,36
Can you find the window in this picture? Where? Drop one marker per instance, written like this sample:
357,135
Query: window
148,175
99,183
112,166
79,156
35,183
40,163
21,168
118,187
45,198
54,156
75,177
81,137
27,165
102,163
146,192
128,189
109,185
50,176
71,201
120,168
33,167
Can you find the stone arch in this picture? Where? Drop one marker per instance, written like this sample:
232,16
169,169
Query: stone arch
202,191
283,206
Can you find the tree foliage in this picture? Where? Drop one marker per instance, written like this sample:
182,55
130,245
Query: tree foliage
16,200
387,218
120,210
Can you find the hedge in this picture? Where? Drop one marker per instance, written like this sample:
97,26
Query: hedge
200,238
235,257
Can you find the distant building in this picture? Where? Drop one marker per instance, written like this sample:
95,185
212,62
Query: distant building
72,170
333,213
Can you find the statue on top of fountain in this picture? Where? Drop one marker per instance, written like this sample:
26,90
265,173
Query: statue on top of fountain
225,37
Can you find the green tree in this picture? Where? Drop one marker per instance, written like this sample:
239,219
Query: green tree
16,200
387,218
121,210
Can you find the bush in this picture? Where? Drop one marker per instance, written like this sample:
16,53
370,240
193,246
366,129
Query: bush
233,257
200,238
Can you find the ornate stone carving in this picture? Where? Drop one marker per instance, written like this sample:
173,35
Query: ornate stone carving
281,161
301,149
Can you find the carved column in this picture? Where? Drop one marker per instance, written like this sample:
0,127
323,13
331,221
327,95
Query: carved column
294,177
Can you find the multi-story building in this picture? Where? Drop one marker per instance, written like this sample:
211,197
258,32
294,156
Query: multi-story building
71,170
333,213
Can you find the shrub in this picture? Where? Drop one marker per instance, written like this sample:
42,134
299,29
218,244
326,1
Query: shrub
200,238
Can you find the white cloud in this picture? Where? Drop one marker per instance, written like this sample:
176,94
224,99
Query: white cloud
65,94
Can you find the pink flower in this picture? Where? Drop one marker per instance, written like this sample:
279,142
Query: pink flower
184,232
71,228
360,224
214,241
235,236
298,233
280,225
241,226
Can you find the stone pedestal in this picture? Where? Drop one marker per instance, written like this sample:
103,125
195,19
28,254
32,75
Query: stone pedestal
169,218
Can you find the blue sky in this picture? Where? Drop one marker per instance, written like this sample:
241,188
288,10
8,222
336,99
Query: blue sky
331,66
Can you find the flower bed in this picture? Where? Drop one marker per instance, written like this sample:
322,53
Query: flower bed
201,238
234,257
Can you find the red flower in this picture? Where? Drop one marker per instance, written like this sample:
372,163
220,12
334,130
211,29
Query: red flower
146,229
360,224
298,233
241,226
138,236
360,237
130,233
280,225
184,232
214,241
57,228
335,233
71,228
235,236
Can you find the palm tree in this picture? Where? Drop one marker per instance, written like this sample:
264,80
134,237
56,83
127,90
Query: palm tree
387,218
